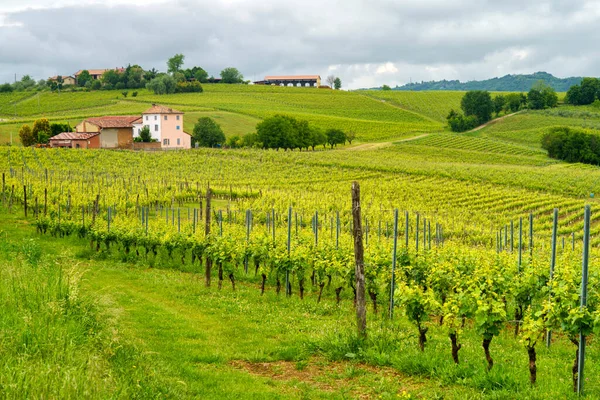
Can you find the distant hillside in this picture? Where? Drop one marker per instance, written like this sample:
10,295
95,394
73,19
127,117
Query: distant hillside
508,83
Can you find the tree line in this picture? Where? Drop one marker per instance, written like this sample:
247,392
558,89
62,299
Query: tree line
572,145
41,132
585,93
276,132
176,79
478,106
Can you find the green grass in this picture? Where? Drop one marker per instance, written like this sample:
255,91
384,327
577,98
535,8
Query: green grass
120,329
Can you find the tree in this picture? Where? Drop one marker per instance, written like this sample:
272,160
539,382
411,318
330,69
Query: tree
26,136
150,74
41,130
335,137
514,101
234,142
350,136
164,84
56,128
276,132
250,140
83,78
231,75
330,80
317,137
499,102
200,75
386,87
145,136
111,77
27,82
207,133
175,63
541,96
460,123
478,103
6,88
337,83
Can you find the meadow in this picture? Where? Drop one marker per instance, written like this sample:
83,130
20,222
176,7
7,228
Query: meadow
125,231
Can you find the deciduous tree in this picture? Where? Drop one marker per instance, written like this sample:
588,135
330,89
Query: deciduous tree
175,63
26,136
231,75
207,133
478,103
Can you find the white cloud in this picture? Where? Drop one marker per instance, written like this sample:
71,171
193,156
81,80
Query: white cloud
365,43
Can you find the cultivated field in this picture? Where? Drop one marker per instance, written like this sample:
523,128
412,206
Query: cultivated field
113,255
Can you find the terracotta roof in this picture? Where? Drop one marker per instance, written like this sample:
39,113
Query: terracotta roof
74,135
290,77
55,78
99,71
156,109
119,121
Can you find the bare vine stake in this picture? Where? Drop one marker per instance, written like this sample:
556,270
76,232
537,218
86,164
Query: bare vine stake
531,235
288,288
207,232
406,229
361,310
584,283
512,236
552,264
417,234
393,282
273,219
520,243
25,199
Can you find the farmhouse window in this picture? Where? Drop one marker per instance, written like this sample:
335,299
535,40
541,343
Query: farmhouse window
165,117
155,117
166,142
156,127
178,118
178,127
146,118
178,141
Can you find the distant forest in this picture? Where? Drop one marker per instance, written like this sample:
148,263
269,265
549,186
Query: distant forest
508,83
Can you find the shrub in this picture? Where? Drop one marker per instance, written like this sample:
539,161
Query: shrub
459,123
572,145
189,87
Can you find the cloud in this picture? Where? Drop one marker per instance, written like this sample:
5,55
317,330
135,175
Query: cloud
365,43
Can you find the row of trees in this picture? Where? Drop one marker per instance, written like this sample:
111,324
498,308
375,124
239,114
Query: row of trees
41,132
277,132
572,145
478,106
585,93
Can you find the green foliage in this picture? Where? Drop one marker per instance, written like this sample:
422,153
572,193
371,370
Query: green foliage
6,88
41,130
499,103
515,101
189,87
164,84
231,75
27,137
507,83
386,87
335,137
479,104
572,145
460,123
145,136
277,132
83,78
585,93
337,83
175,63
57,127
207,133
541,96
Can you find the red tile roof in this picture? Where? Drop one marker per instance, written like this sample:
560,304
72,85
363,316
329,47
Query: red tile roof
99,71
291,77
119,121
55,78
156,109
74,135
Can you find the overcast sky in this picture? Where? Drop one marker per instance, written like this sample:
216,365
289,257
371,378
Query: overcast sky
366,43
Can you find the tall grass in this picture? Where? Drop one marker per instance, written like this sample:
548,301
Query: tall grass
54,342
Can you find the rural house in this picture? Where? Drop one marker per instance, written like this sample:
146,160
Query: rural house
166,126
294,80
76,140
66,80
118,132
97,73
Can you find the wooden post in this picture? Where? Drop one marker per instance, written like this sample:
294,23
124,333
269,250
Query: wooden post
207,232
583,298
361,309
25,199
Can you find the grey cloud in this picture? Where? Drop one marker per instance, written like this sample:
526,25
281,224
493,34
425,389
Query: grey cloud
464,39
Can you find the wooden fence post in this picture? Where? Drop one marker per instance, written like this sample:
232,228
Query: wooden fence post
361,310
207,232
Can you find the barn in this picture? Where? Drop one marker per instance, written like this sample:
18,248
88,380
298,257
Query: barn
76,140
